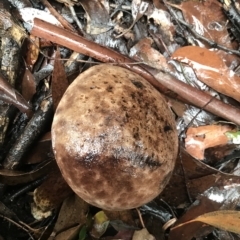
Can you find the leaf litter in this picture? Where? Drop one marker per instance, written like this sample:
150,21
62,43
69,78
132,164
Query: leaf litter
173,41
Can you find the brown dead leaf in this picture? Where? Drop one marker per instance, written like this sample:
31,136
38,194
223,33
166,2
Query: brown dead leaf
124,235
41,151
52,192
187,232
211,24
162,20
59,80
210,69
11,177
97,16
125,216
142,234
28,85
200,138
9,95
73,212
197,176
226,220
69,234
178,107
150,56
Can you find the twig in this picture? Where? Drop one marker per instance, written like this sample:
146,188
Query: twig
18,225
160,80
74,15
25,189
140,217
58,16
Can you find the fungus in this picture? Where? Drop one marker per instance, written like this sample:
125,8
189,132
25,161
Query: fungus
114,138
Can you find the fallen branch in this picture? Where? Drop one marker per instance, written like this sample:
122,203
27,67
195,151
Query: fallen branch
160,80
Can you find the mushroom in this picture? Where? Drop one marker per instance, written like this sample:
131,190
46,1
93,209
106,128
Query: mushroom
114,138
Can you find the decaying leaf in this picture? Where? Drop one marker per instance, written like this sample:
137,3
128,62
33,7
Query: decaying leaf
226,220
200,138
100,224
17,177
41,151
59,80
142,234
97,16
51,193
124,235
211,24
139,7
73,212
162,19
28,85
9,95
5,211
144,52
120,220
210,69
69,234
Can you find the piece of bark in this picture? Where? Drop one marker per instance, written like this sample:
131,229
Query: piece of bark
32,131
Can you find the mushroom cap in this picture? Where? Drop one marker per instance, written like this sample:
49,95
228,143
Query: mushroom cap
114,138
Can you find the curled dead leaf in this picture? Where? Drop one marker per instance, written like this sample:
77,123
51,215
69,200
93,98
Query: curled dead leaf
226,220
210,69
200,138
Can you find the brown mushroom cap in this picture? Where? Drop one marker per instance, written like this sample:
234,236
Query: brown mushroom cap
114,138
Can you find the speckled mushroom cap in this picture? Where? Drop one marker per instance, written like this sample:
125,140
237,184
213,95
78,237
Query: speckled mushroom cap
114,138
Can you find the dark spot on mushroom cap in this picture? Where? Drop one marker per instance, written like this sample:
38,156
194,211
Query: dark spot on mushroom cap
167,128
137,84
116,139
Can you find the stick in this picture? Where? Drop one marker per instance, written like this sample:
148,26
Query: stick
160,81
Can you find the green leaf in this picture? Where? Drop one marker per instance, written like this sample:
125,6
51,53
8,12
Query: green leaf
234,137
82,233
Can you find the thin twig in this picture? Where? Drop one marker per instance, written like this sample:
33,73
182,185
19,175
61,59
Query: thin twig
140,217
58,16
18,225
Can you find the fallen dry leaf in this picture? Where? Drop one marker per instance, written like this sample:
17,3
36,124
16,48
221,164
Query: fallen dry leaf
226,220
73,212
211,24
41,151
11,177
143,51
69,234
200,138
59,80
28,84
210,69
97,16
142,234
